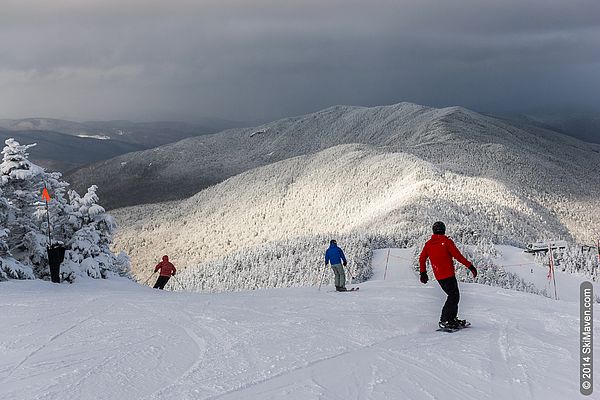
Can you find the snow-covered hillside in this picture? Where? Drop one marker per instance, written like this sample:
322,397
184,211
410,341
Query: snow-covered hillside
480,175
453,138
351,190
116,340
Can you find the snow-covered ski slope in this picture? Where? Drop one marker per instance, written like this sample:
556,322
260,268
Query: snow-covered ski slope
114,339
515,260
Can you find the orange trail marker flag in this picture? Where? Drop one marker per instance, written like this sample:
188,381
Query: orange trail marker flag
47,198
46,195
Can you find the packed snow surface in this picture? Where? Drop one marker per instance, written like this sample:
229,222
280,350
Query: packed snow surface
114,339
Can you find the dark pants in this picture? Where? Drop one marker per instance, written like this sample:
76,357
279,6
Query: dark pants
161,282
450,310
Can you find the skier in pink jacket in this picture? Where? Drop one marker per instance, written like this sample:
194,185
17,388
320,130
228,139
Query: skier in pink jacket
167,270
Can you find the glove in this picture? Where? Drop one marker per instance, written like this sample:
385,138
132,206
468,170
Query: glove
345,263
473,271
424,278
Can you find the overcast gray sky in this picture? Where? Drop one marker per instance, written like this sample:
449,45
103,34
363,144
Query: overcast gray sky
263,59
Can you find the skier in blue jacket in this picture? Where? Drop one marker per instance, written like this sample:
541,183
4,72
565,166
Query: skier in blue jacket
335,256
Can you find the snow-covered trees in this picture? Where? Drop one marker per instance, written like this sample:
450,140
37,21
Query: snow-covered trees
22,183
294,262
88,247
9,267
77,222
346,189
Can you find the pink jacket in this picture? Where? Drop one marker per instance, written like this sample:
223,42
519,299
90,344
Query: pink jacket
165,267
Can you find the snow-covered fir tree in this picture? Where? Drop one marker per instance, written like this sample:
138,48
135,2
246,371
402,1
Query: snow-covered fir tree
88,248
9,267
77,222
22,183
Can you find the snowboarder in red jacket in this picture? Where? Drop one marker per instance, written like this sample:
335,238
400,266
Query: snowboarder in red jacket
441,251
167,270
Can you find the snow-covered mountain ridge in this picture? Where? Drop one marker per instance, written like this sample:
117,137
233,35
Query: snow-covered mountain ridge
350,190
479,145
474,172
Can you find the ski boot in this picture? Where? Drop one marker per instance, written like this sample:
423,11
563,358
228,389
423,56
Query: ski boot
461,323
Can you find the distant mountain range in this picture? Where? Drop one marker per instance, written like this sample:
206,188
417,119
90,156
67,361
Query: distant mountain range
61,152
65,145
179,170
351,170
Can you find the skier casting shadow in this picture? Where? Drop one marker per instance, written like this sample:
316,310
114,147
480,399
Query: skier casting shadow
441,250
166,271
335,256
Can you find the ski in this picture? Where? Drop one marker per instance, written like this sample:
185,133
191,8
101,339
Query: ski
448,330
355,289
464,325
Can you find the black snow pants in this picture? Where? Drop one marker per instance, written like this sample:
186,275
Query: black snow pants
161,282
450,310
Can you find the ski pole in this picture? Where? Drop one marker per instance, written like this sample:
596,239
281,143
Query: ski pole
322,276
350,274
177,280
146,281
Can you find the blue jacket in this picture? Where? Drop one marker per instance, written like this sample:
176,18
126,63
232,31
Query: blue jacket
334,255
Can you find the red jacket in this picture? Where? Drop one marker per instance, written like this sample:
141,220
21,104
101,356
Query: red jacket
165,267
440,250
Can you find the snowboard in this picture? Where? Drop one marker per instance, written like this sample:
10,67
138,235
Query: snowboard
452,330
354,289
449,330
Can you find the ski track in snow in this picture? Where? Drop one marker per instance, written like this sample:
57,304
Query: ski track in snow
42,347
123,341
300,371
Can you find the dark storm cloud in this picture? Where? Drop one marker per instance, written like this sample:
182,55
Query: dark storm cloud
143,59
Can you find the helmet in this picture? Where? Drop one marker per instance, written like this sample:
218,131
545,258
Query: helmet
439,228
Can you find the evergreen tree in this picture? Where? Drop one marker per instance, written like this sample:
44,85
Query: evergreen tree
80,224
88,250
9,267
22,184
